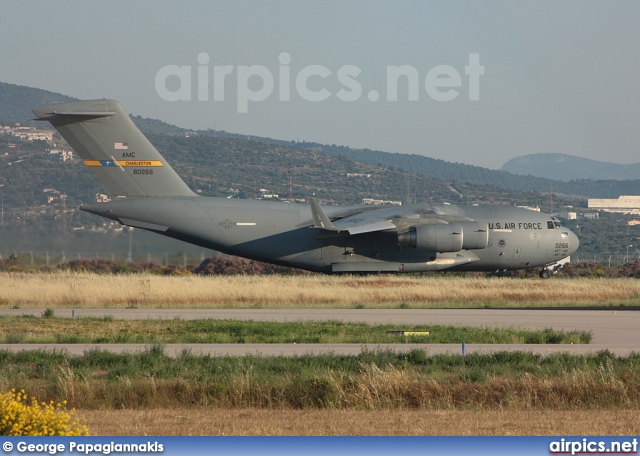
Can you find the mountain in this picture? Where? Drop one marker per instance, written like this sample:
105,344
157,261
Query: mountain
16,102
476,175
565,167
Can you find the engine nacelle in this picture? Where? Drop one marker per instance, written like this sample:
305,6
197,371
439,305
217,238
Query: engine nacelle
450,237
439,238
476,235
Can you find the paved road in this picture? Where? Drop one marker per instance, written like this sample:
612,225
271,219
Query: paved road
617,331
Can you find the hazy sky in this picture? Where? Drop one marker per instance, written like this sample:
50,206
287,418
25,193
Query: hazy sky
548,76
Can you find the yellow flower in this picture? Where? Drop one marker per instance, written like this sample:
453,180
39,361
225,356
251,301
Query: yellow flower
19,416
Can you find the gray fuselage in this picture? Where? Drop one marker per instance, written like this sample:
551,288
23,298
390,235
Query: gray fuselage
284,234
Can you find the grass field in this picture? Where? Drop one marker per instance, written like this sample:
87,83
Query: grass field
206,421
32,329
87,290
372,380
375,393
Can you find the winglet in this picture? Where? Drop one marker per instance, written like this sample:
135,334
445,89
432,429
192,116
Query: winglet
320,219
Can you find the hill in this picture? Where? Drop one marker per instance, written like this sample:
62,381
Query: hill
215,166
218,163
565,167
476,175
16,102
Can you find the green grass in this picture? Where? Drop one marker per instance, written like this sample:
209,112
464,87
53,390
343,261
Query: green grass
29,329
373,379
155,363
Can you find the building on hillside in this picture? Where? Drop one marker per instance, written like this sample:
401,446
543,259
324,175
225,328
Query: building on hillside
53,195
27,133
624,204
64,154
377,202
33,135
567,215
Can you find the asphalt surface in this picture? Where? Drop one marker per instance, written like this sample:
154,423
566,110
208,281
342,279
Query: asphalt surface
617,331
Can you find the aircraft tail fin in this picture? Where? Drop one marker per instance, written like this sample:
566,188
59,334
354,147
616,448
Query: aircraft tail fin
107,140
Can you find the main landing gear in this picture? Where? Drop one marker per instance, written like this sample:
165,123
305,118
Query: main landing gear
545,273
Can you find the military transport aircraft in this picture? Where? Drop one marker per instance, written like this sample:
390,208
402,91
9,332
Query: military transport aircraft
149,194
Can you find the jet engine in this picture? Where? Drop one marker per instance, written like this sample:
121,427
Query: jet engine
449,237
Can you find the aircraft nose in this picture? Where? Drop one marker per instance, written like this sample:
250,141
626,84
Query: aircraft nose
574,242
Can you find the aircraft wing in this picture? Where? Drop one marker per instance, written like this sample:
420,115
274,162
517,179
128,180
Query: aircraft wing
429,228
358,225
362,222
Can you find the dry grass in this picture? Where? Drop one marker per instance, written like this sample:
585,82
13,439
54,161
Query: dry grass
357,422
87,290
602,387
400,403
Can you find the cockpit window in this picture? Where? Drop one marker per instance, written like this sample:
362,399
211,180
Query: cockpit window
554,225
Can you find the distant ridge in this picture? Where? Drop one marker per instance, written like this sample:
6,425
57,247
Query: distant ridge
16,102
565,167
476,175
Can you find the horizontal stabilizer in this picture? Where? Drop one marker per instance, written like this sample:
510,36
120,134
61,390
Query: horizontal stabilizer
94,114
143,225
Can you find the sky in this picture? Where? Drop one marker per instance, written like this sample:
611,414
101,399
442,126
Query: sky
475,82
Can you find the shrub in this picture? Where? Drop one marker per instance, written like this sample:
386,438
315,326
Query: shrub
19,416
234,265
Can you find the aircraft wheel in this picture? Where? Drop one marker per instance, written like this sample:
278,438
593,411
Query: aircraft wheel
545,274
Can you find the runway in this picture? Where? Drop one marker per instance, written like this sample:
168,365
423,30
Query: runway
616,331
